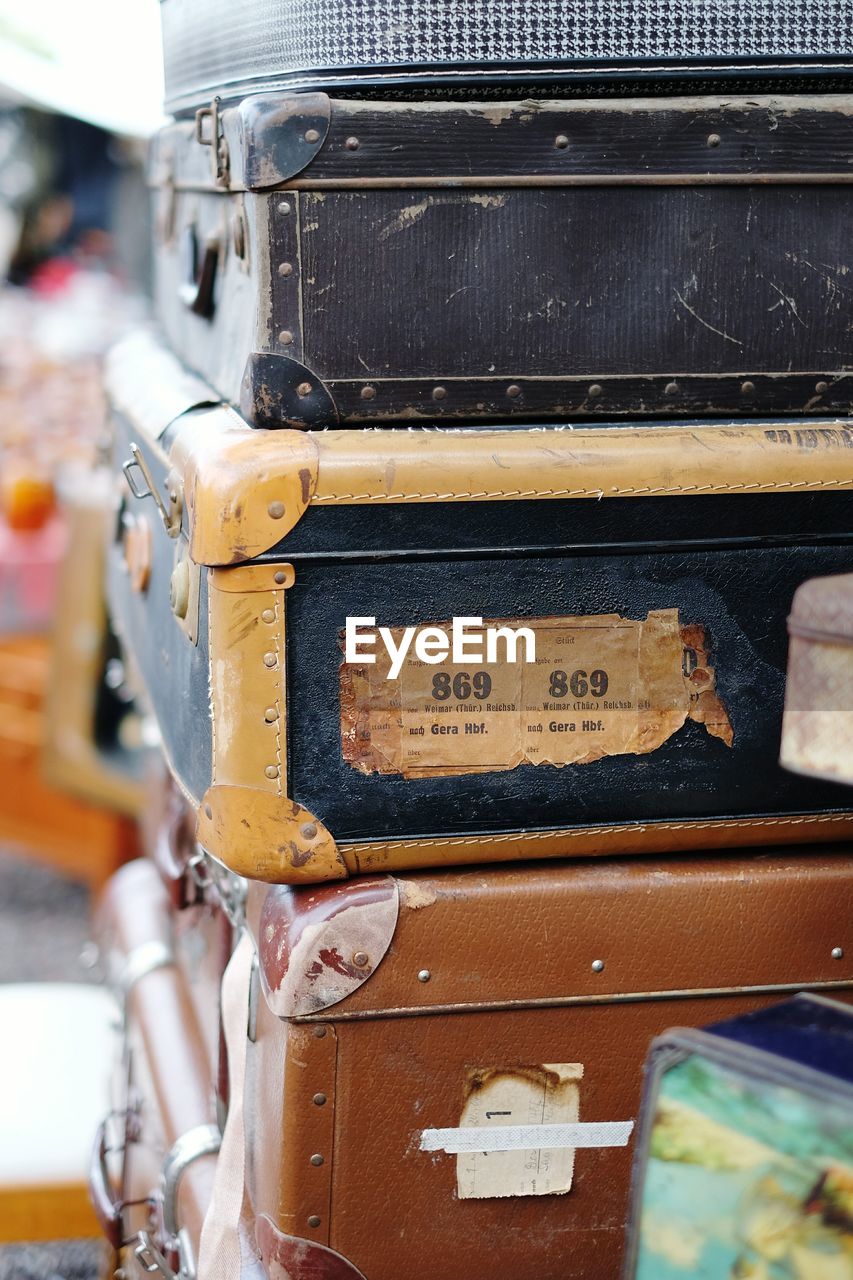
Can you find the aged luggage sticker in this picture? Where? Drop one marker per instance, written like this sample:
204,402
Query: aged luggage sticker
598,686
538,1096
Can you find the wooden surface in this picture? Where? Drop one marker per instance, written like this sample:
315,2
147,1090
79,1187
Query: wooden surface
50,1212
80,839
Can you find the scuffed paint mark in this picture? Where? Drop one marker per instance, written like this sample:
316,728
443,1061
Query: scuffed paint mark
787,301
416,895
728,337
489,201
406,218
498,115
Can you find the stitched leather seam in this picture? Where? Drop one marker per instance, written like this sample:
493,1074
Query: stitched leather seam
456,841
580,493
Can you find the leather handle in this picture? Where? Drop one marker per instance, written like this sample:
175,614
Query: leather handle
108,1204
198,296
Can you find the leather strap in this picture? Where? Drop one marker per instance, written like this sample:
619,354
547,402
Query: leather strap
219,1256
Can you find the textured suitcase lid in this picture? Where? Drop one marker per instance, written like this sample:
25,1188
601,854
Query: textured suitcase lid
555,934
214,46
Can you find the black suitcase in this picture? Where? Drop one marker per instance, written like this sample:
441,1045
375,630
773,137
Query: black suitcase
236,46
351,262
655,567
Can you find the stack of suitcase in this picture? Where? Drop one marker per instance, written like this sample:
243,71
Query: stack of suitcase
520,313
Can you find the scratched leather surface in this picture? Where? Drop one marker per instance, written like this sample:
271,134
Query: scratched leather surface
522,934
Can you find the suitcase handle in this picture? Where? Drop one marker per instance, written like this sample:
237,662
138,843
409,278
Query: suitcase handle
108,1203
197,294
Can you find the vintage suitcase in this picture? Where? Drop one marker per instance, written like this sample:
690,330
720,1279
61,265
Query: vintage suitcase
745,1157
650,718
343,262
216,47
152,1168
421,1100
817,728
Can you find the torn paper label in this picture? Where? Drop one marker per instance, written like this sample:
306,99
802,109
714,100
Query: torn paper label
600,686
541,1095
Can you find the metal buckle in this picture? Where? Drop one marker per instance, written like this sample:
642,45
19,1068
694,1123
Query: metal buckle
230,889
150,1258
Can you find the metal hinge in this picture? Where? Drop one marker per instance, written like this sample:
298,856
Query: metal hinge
208,134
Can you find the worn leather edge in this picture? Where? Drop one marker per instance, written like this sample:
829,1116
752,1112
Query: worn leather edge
583,842
247,489
301,1259
398,466
244,489
267,837
174,156
317,945
281,392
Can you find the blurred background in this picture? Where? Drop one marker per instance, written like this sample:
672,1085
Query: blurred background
80,92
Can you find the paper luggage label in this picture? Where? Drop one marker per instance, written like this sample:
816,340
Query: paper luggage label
539,1095
599,686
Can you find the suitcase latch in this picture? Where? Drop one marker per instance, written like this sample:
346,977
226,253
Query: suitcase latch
172,510
208,134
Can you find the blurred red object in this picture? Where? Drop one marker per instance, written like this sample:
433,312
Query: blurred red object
53,276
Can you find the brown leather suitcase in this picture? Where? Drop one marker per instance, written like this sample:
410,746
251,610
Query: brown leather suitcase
152,1167
389,1016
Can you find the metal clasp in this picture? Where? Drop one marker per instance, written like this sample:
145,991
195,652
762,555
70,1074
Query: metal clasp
150,1258
153,1262
171,514
219,157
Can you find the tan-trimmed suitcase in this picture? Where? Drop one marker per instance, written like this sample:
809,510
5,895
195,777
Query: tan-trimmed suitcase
655,567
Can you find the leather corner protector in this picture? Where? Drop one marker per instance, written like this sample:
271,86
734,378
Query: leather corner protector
318,946
265,836
278,391
300,1259
273,137
249,495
